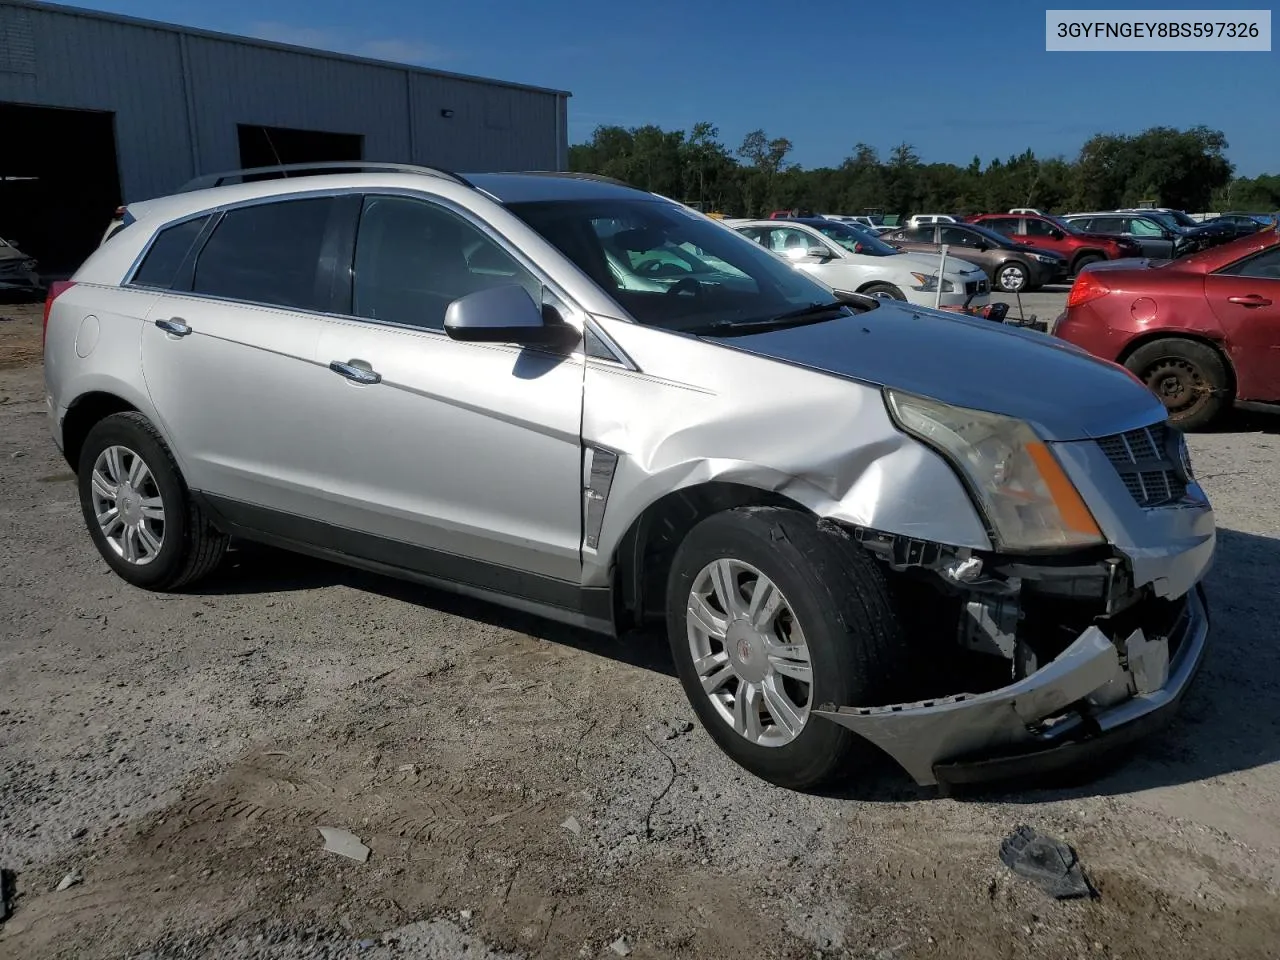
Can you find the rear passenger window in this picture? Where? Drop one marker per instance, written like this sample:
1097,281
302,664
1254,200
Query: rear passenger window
169,249
1261,266
268,253
414,258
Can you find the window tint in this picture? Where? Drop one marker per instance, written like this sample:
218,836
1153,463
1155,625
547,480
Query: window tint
1039,228
414,258
922,234
957,236
172,244
1006,225
1105,225
1261,266
782,239
268,253
1141,227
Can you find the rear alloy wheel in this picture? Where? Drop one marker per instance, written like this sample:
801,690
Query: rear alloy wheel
1012,277
142,519
770,617
1190,379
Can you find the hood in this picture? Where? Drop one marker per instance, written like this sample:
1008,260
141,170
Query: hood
1037,251
928,262
1065,393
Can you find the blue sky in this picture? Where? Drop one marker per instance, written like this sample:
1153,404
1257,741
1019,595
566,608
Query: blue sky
953,78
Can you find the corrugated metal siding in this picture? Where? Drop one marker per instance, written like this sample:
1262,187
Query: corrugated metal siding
235,83
491,129
92,64
66,59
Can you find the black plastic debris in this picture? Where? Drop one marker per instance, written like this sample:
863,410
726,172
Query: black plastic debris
1046,862
8,890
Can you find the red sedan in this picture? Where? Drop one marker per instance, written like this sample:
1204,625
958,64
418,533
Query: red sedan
1203,332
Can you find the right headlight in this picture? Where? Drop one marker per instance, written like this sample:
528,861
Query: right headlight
1026,497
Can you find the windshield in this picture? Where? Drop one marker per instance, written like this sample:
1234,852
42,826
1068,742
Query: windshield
671,268
1164,219
857,239
993,238
1182,219
1063,224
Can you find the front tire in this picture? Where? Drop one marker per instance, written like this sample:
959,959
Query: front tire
1013,277
139,513
771,617
1190,378
1083,261
886,290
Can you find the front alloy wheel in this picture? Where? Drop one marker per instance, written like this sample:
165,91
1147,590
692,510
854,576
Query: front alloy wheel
770,616
127,505
750,653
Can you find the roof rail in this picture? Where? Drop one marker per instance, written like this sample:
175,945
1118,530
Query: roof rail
573,175
334,166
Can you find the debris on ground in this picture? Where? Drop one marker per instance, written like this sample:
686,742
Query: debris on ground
670,729
572,826
466,914
8,891
621,947
1049,863
69,881
344,843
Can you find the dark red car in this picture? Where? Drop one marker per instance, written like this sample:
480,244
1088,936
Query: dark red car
1202,331
1050,233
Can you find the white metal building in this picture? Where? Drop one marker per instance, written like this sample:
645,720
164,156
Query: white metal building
98,109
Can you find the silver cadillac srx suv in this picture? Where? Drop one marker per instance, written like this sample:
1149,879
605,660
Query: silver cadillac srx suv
861,521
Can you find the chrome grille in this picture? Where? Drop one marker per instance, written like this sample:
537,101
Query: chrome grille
1148,462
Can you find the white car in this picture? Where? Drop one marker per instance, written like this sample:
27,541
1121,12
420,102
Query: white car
852,260
927,219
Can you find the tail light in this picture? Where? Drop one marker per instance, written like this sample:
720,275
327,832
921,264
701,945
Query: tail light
56,289
1086,289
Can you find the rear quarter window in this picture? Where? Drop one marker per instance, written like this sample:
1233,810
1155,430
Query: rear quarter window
269,254
167,254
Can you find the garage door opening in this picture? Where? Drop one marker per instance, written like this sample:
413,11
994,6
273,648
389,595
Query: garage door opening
59,183
272,146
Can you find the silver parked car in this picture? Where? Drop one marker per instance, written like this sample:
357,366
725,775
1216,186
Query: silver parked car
860,520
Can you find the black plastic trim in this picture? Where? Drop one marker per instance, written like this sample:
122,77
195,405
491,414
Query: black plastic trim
588,607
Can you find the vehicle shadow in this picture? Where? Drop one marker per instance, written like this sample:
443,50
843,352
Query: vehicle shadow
252,568
1229,721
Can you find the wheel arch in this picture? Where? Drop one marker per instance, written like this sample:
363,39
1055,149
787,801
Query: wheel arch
83,414
642,559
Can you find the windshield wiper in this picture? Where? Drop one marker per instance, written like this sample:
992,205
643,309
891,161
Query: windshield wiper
811,313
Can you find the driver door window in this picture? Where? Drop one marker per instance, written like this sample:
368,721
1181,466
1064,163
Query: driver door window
784,239
414,258
1006,225
1039,228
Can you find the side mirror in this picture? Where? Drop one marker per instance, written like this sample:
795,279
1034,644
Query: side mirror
1167,234
821,254
505,314
982,246
1056,234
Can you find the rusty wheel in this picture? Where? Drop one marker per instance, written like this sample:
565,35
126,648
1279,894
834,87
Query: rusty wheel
1190,378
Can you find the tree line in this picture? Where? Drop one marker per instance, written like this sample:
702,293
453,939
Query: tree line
1183,169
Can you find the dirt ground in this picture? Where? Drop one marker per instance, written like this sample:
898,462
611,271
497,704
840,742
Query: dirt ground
534,792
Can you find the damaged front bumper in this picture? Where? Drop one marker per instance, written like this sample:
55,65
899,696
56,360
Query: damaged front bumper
1095,696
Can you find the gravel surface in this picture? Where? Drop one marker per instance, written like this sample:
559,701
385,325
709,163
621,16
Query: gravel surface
530,791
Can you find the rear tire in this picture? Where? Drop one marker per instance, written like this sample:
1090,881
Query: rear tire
1084,260
832,601
887,290
1190,378
139,512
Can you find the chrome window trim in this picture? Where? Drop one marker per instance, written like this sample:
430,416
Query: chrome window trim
620,357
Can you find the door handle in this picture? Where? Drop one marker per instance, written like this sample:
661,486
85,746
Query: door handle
355,372
1252,300
175,325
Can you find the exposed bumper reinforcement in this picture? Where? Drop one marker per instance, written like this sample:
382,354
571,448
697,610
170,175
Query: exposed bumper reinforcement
1043,722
